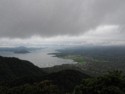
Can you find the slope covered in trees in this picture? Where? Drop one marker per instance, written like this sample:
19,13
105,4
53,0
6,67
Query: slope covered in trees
12,68
16,74
111,83
22,77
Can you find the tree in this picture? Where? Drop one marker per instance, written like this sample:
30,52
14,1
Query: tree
111,83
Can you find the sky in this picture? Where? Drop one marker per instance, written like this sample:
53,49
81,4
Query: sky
40,22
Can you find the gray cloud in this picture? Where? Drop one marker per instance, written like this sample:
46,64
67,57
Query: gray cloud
25,18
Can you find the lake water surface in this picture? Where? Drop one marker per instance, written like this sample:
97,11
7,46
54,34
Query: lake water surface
41,58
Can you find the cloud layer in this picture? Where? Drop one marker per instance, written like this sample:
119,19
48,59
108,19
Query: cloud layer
21,19
24,18
102,35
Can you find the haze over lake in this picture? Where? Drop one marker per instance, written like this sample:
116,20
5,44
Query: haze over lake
40,57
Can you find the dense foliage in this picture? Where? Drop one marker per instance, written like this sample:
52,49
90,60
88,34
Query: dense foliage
12,68
22,77
16,73
44,87
65,80
111,83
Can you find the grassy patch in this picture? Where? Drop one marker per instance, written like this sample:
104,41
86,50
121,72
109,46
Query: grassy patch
76,58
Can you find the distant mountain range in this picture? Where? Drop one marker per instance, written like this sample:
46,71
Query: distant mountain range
18,50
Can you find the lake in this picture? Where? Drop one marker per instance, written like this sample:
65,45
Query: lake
40,58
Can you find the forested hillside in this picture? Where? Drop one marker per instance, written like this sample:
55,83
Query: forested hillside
17,75
13,68
22,77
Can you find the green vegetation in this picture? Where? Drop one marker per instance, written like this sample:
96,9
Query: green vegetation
44,87
76,58
13,68
22,77
111,83
95,60
65,81
16,75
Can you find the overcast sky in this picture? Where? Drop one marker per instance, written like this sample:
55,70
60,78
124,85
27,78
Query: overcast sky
59,21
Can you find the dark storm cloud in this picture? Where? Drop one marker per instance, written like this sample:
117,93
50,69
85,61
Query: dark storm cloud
25,18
